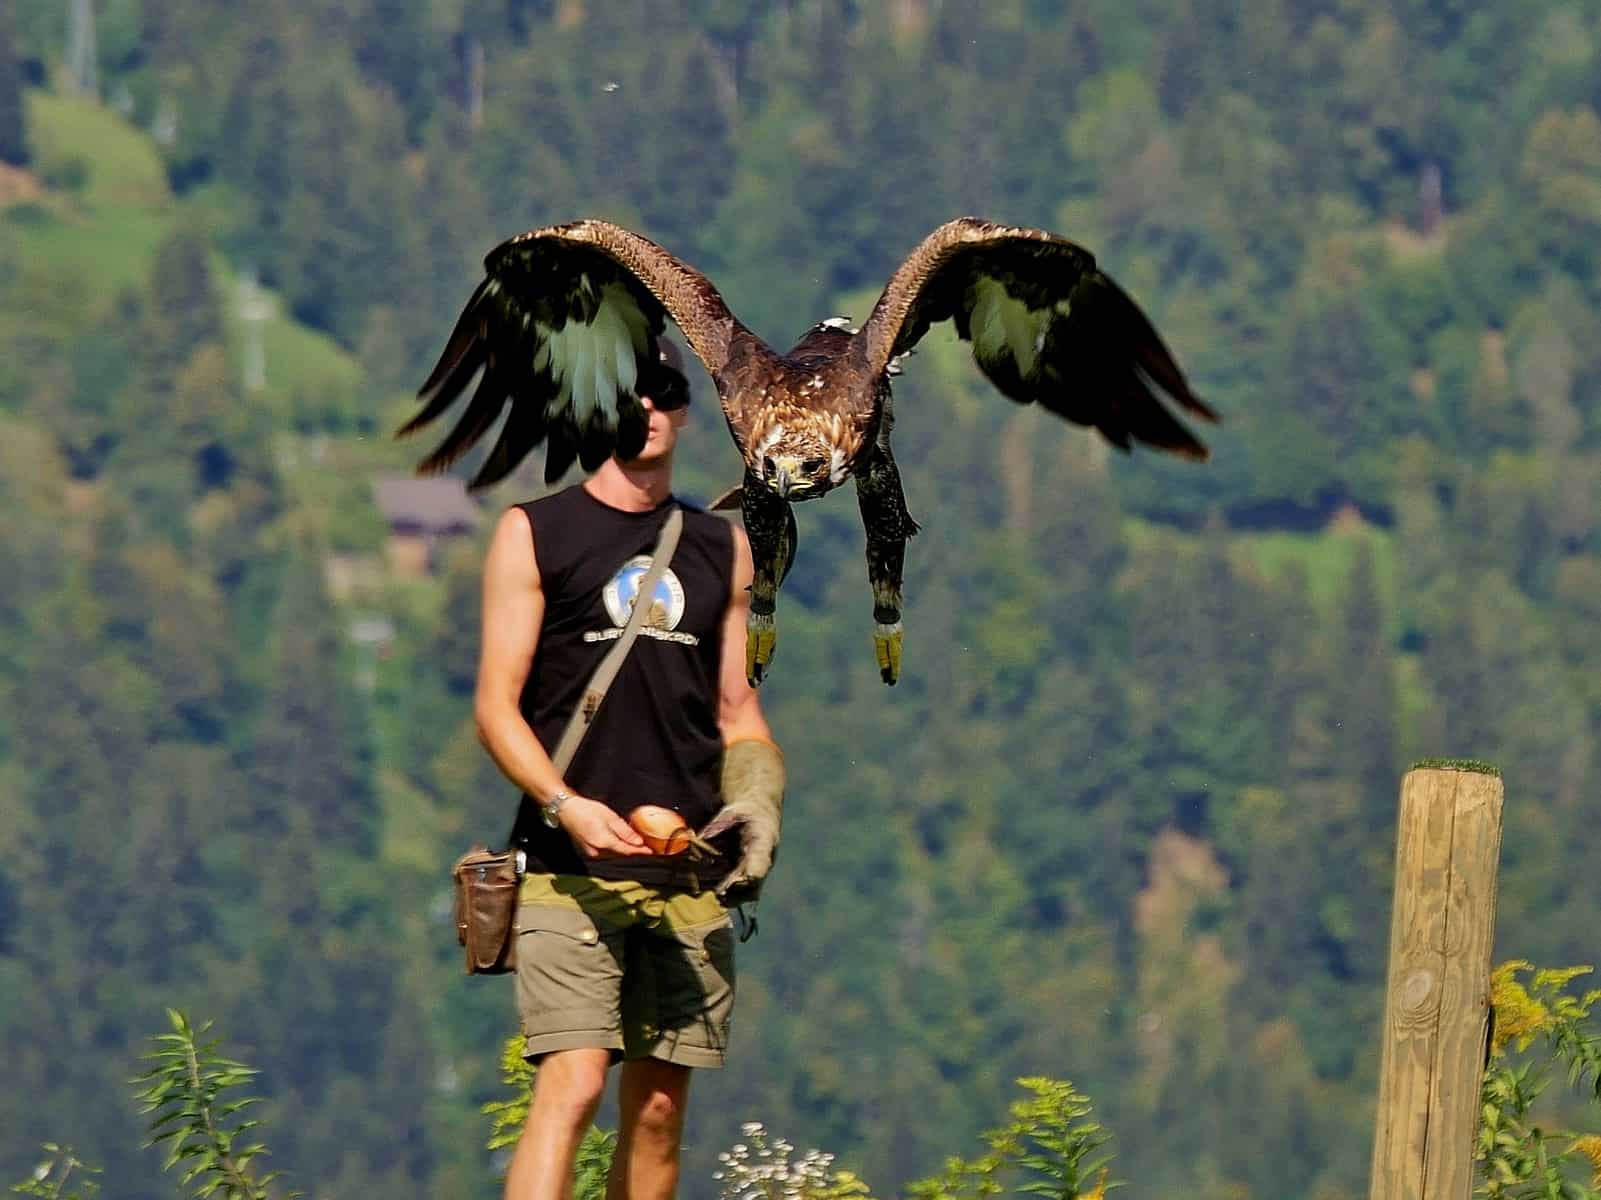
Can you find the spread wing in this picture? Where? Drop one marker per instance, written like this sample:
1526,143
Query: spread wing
1045,325
564,329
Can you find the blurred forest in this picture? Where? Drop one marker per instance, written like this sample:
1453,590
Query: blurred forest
1129,817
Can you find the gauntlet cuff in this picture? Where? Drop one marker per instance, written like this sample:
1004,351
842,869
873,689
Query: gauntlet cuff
753,776
753,800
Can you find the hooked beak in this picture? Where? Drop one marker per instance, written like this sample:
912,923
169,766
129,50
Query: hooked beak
787,476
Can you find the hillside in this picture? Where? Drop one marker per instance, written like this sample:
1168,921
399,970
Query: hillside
1127,819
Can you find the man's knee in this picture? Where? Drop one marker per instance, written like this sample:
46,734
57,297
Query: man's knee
571,1082
662,1112
659,1094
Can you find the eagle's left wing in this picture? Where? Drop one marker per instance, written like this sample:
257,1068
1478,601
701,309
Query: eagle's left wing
564,328
1045,325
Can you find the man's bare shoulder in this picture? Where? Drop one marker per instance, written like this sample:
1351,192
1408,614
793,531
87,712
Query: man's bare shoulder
511,549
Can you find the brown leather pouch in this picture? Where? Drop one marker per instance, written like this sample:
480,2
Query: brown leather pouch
486,909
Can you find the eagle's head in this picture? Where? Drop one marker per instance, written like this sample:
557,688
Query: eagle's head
800,463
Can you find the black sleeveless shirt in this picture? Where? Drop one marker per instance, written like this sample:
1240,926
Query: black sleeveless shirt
655,739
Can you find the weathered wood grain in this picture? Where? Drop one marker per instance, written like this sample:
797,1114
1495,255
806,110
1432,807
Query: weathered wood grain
1437,996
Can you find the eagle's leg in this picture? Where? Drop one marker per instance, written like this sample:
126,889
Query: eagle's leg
770,525
888,525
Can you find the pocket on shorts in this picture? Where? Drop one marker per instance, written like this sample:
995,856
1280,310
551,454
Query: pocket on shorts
696,986
560,919
556,933
565,968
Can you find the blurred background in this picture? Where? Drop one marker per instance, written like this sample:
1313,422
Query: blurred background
1129,817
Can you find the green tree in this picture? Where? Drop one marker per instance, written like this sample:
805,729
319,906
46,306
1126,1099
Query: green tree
13,111
398,50
254,152
182,311
1562,165
683,179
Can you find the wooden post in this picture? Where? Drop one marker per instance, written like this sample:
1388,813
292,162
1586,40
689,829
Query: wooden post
1437,995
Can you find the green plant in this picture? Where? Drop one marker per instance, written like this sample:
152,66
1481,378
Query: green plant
50,1177
595,1152
1517,1156
1049,1148
185,1090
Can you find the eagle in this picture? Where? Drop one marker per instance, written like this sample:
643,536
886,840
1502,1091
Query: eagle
565,333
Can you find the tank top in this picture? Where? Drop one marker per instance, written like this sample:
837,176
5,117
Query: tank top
655,738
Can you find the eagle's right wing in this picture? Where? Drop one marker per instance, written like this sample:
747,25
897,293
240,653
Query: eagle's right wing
1045,325
564,328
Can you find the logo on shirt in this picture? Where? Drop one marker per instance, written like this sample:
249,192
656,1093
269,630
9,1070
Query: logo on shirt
621,593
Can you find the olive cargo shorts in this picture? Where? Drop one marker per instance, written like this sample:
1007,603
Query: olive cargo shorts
621,966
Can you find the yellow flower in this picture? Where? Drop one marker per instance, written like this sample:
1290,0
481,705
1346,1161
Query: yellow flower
1590,1146
1519,1016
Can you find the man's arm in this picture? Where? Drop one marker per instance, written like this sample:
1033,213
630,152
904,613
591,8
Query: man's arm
753,767
514,606
739,710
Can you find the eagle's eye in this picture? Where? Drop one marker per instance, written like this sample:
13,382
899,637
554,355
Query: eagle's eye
812,466
769,467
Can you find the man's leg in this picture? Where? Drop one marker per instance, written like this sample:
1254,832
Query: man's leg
567,1091
650,1105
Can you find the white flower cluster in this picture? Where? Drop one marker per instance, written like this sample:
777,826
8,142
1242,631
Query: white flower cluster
757,1169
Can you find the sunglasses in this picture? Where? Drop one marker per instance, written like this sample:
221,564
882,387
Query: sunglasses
669,391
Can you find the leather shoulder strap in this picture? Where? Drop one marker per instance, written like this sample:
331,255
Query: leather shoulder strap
578,724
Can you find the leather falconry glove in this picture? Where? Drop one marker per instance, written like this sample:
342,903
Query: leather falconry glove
753,800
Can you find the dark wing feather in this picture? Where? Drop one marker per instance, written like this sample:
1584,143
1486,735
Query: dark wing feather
561,454
463,355
565,329
480,414
1045,325
524,429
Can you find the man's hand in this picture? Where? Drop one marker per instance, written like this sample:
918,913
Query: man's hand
753,802
758,842
597,831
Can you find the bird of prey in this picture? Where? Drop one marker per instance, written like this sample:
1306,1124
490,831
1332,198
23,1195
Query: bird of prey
566,326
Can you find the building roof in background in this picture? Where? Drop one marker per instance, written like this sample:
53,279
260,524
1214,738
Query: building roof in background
438,505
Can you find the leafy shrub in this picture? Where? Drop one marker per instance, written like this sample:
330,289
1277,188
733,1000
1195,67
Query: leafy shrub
51,1177
185,1091
1517,1156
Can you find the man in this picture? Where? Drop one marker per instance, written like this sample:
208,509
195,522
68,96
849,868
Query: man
623,954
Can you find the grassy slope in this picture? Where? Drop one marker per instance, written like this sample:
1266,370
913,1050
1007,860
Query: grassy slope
94,233
103,232
107,228
1326,558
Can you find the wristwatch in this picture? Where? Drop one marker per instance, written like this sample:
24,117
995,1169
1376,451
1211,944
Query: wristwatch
550,808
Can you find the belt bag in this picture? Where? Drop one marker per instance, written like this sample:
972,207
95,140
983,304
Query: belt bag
486,899
486,881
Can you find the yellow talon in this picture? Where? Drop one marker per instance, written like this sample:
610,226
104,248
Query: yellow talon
761,638
887,646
